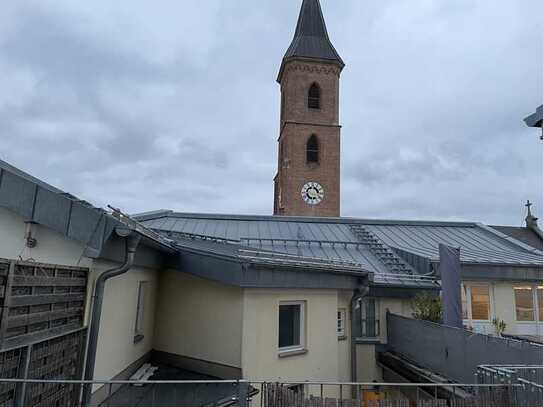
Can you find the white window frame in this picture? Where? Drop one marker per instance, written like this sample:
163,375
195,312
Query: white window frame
468,286
341,322
538,318
301,346
139,326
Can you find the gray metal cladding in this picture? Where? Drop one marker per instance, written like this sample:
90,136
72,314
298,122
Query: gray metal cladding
17,194
415,242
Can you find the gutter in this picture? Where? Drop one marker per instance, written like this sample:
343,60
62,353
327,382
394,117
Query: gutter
132,241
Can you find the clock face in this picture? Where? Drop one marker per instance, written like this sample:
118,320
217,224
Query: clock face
312,193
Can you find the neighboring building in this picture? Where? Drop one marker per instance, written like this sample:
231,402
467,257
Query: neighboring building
299,297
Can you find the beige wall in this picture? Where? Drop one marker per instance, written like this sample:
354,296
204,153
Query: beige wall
199,319
502,306
52,247
260,358
344,345
116,348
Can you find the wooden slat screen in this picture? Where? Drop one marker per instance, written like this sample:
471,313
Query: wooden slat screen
39,301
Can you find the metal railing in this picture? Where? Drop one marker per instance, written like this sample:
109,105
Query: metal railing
245,393
528,378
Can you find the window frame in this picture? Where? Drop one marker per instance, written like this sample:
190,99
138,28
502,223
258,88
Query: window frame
312,100
315,150
139,326
467,286
535,305
302,345
341,326
536,301
361,320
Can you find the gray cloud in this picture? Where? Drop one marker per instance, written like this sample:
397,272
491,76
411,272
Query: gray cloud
175,105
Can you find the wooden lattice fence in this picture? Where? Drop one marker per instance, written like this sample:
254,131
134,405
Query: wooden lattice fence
39,301
41,331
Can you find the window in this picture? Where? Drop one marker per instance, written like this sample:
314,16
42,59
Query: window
314,97
464,292
365,321
540,302
140,312
524,303
480,302
291,326
476,302
312,149
341,315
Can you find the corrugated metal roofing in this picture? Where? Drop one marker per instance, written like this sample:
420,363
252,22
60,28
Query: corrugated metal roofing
332,238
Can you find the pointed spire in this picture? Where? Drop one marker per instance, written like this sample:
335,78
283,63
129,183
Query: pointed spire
311,38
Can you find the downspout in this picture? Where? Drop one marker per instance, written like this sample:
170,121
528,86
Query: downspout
360,292
131,241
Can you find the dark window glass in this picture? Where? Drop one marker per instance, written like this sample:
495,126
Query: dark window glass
313,149
366,321
289,325
314,97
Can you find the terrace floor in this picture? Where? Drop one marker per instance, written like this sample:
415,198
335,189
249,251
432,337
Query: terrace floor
166,395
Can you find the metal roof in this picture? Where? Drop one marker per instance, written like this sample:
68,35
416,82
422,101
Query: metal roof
524,234
535,119
41,203
335,238
311,37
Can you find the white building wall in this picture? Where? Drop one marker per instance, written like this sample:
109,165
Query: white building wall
260,357
52,247
116,348
199,319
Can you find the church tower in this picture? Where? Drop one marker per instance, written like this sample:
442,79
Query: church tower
308,176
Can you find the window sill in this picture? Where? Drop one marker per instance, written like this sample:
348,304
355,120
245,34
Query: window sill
293,352
368,341
138,338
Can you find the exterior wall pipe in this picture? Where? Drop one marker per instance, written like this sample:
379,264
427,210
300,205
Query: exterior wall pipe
359,293
132,241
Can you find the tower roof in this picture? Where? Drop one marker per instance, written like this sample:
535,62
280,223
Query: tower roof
311,38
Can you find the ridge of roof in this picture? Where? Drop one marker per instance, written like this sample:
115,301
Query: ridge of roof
516,242
302,219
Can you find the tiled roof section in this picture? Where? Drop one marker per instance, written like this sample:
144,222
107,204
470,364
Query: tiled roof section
535,119
311,38
523,234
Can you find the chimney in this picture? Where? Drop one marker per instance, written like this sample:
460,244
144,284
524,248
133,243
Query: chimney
531,221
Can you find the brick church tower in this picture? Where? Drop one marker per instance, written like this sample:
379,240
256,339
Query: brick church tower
308,176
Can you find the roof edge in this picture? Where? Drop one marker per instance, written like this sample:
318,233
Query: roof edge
306,219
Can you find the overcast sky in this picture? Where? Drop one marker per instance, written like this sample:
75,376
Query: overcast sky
173,104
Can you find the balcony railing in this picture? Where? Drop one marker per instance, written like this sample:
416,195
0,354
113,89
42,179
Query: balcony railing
243,393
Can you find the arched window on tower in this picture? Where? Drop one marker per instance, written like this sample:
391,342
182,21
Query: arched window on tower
312,150
314,97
